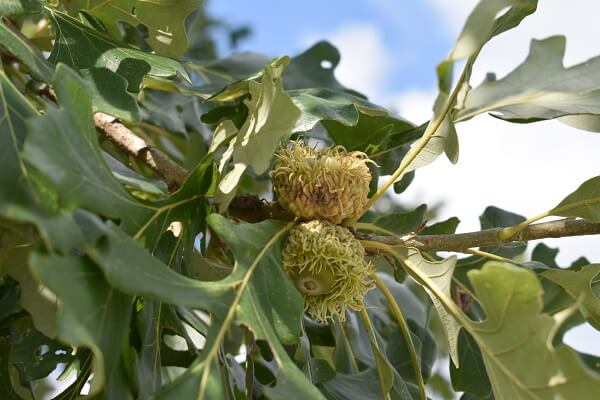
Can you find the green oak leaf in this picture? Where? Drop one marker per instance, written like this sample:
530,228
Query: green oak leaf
30,356
540,88
271,116
164,19
7,391
315,68
24,196
130,178
580,283
516,339
257,278
439,274
38,67
63,145
583,202
82,47
110,95
20,7
109,92
92,314
484,22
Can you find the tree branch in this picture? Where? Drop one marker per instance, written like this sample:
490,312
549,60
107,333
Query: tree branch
171,172
489,237
252,209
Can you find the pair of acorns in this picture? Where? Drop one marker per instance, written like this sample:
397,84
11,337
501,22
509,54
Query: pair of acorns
324,260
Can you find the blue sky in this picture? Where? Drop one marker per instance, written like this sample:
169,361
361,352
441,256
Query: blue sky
410,32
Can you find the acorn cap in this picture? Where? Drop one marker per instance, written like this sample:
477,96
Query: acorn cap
327,265
330,184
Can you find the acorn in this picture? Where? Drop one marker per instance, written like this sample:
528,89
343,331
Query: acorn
330,184
327,265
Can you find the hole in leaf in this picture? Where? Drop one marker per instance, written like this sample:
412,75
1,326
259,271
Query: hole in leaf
265,350
175,342
326,64
39,353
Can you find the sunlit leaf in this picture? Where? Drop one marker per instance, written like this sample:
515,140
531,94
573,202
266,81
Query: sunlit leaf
540,88
164,19
271,116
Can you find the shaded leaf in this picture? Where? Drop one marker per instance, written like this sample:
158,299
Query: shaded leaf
93,314
258,277
148,374
109,94
439,274
20,7
63,145
82,47
319,104
580,284
441,228
131,178
495,217
37,64
6,389
471,377
400,223
34,354
315,68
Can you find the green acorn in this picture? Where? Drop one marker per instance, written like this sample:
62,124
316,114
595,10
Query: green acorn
327,265
330,184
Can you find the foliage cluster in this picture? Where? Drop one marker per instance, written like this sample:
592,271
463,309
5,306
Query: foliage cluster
116,272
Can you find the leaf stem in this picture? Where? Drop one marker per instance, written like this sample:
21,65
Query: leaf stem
427,135
346,342
507,233
425,280
405,332
375,348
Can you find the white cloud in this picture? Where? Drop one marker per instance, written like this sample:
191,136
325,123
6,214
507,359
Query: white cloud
364,65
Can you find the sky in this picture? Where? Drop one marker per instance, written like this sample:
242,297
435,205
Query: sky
389,51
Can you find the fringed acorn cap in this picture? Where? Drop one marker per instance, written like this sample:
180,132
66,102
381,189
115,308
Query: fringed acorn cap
327,265
330,184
